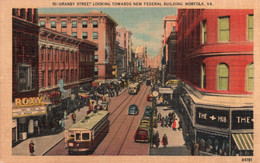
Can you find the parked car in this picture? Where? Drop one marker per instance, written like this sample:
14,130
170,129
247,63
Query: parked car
142,134
133,110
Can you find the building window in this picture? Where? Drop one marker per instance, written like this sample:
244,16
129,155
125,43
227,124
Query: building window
42,23
25,76
72,77
62,74
67,75
56,77
223,77
96,58
84,24
95,24
74,34
63,24
250,27
49,78
53,24
203,76
96,48
223,29
250,78
64,33
95,35
204,32
74,24
43,78
96,70
84,35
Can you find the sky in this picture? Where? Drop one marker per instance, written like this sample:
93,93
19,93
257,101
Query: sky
146,24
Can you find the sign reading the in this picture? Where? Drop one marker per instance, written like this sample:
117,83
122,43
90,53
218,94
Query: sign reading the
212,117
242,119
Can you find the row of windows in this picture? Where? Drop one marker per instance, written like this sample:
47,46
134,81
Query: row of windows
74,24
224,29
84,35
56,54
223,77
58,76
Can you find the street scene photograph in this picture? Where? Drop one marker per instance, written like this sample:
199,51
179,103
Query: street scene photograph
132,82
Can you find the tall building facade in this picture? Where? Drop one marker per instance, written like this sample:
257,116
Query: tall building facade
93,26
25,89
215,62
123,37
140,56
169,29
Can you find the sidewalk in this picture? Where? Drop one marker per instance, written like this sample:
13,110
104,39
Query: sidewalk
44,143
175,138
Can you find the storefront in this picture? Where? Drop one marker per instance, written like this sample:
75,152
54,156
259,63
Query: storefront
26,114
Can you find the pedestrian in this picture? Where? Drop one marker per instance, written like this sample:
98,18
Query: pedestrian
196,149
187,139
31,147
166,121
164,141
62,124
180,125
157,139
174,125
73,117
192,148
159,116
162,121
154,139
65,114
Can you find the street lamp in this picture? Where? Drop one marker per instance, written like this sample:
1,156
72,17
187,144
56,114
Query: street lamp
154,94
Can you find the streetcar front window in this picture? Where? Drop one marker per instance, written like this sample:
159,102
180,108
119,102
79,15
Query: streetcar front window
78,136
85,136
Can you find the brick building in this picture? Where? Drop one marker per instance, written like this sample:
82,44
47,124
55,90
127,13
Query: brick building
25,72
94,26
214,60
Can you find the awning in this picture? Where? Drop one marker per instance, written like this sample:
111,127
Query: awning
244,141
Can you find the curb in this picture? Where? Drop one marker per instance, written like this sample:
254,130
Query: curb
52,147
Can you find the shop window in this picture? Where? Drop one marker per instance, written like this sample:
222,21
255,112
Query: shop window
53,24
250,78
84,24
63,24
96,58
42,23
25,76
74,24
84,35
78,136
223,77
223,29
95,24
203,76
250,27
96,70
204,32
95,35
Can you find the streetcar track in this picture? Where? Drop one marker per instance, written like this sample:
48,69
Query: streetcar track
131,125
122,122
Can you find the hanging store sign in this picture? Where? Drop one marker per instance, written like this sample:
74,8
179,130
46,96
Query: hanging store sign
212,117
29,111
66,94
242,119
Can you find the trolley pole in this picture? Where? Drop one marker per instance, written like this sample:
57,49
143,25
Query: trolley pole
154,94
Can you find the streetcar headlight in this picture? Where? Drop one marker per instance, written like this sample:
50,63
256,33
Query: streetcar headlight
71,144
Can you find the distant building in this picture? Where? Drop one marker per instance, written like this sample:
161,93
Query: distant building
214,60
94,26
140,56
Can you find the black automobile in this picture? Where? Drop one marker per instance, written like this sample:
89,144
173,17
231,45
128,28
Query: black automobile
133,110
148,109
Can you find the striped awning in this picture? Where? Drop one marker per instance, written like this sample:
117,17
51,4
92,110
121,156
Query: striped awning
244,141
